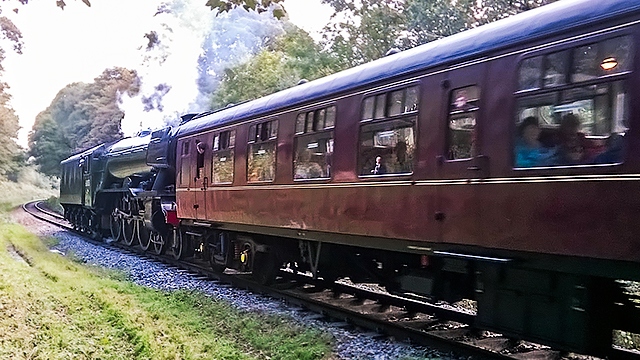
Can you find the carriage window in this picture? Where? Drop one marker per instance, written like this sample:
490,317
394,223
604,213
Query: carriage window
410,103
300,123
601,59
530,70
387,144
314,146
222,157
463,110
261,160
185,168
380,106
200,148
555,69
367,108
330,120
387,147
584,123
395,102
389,104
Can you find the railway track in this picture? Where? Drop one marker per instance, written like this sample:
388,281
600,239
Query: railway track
439,326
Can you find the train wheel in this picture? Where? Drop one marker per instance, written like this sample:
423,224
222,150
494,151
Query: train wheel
128,231
329,275
220,253
264,268
157,242
116,228
178,244
144,235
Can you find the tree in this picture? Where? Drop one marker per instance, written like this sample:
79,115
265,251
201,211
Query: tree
81,116
255,5
218,5
366,32
429,20
281,64
11,155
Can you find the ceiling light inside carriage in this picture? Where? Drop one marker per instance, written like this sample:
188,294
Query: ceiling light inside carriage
609,63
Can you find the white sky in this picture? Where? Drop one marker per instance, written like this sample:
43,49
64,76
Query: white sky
77,44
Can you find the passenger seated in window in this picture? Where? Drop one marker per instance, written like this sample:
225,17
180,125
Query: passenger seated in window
306,168
379,168
571,149
529,151
614,152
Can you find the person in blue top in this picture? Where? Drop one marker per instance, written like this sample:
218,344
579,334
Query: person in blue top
529,152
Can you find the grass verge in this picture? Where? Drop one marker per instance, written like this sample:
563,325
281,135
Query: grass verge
30,185
54,308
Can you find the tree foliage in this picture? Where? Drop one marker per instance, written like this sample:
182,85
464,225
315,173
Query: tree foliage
429,20
255,5
363,33
358,33
11,155
81,116
284,62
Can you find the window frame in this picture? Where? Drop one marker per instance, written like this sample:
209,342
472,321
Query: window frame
411,115
559,91
451,114
230,148
314,131
255,137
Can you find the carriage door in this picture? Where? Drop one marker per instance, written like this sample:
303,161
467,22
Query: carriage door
462,165
185,190
201,163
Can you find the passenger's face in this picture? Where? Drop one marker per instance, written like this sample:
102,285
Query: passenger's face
530,134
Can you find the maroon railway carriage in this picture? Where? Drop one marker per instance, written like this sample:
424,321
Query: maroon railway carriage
499,165
409,171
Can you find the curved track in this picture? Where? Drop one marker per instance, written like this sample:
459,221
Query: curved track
434,325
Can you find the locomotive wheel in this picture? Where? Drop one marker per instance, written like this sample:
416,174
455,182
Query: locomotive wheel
157,242
128,231
76,221
177,244
144,235
116,228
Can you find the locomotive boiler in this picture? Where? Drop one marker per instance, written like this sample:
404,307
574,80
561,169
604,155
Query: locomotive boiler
105,189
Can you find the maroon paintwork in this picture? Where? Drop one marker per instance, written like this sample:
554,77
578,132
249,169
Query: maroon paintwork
482,204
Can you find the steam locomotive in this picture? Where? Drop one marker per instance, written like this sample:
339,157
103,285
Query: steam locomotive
407,172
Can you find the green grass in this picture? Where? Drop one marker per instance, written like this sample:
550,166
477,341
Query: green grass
53,204
52,307
30,185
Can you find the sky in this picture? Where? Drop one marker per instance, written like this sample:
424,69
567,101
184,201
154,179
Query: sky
78,43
